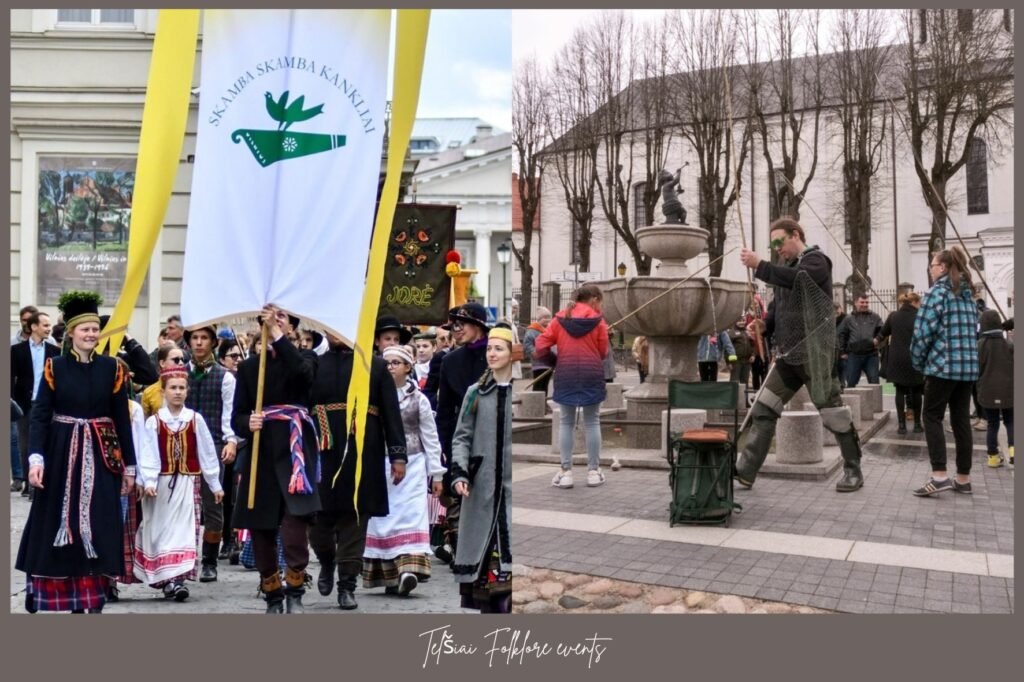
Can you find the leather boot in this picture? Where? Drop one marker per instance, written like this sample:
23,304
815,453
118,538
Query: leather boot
273,593
208,570
325,579
346,592
762,431
849,448
901,418
226,549
293,590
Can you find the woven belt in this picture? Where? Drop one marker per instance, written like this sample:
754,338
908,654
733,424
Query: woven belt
83,430
294,415
326,441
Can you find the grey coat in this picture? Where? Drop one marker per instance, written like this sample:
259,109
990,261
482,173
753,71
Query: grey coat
482,457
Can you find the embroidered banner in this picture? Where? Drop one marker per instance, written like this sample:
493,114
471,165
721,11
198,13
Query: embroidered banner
416,288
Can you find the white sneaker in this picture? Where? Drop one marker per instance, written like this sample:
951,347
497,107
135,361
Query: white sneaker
563,479
595,478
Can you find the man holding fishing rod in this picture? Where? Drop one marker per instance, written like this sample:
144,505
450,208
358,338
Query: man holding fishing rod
805,338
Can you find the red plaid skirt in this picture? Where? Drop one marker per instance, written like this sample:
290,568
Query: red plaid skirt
68,594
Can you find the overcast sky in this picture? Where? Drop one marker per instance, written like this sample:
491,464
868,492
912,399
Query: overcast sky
467,70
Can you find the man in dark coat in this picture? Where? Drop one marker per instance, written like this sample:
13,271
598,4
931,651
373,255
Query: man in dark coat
285,489
338,535
787,237
857,337
460,369
434,375
899,329
27,361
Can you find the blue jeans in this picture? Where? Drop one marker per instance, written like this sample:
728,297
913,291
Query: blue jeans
591,432
992,437
16,473
856,363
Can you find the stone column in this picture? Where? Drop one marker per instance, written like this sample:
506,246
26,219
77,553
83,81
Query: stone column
482,264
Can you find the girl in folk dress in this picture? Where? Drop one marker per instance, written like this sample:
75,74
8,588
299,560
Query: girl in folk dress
398,545
482,476
178,448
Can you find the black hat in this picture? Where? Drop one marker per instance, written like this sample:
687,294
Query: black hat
187,335
473,313
79,306
294,322
390,323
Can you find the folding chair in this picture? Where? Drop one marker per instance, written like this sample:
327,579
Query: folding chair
702,460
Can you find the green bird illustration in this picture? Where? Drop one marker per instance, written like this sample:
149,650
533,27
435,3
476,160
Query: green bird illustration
285,114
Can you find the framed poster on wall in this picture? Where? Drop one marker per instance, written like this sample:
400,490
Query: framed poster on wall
84,214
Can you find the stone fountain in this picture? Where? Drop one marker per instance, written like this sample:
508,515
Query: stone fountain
674,323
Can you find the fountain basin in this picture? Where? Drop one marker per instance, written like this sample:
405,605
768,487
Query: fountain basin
692,309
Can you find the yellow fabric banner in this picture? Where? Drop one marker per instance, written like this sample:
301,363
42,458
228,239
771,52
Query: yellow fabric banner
410,45
164,115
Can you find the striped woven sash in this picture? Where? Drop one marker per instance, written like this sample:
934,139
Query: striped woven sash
82,432
295,415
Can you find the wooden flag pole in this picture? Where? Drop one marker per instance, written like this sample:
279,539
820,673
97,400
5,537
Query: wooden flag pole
254,459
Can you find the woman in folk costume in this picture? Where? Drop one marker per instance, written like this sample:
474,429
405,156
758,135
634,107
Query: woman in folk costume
398,545
82,460
482,476
178,449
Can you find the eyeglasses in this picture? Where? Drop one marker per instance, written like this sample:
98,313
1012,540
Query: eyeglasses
395,363
234,356
178,361
457,324
777,243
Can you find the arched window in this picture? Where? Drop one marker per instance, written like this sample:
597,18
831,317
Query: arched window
784,193
977,178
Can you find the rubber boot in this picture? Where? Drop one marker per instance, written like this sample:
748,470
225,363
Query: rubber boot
762,431
849,448
346,592
208,570
273,593
294,588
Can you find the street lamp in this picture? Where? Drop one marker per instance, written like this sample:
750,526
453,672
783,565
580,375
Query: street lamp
504,256
622,269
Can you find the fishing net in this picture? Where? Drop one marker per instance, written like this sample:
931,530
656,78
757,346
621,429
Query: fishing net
805,332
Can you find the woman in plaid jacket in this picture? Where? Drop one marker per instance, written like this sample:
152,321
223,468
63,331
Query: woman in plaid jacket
944,349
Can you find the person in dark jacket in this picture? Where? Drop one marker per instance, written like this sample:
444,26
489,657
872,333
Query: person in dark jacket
338,537
899,329
744,346
840,361
285,494
27,361
786,318
540,367
858,342
460,369
995,384
581,336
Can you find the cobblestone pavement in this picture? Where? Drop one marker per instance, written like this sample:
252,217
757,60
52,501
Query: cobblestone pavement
235,590
878,550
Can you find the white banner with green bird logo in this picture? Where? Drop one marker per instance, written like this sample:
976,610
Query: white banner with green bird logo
287,161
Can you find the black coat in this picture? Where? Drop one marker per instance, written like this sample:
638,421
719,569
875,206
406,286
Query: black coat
22,376
384,436
288,381
899,328
460,369
434,378
84,390
995,364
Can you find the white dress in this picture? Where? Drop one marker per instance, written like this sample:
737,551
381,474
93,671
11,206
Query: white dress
405,530
166,542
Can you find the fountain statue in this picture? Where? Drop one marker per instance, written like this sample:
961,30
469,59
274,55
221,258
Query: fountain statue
674,323
670,188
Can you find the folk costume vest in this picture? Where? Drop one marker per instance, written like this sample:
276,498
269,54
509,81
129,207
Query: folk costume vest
205,397
179,452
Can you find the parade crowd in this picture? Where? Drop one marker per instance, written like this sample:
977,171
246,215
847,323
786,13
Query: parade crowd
143,467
